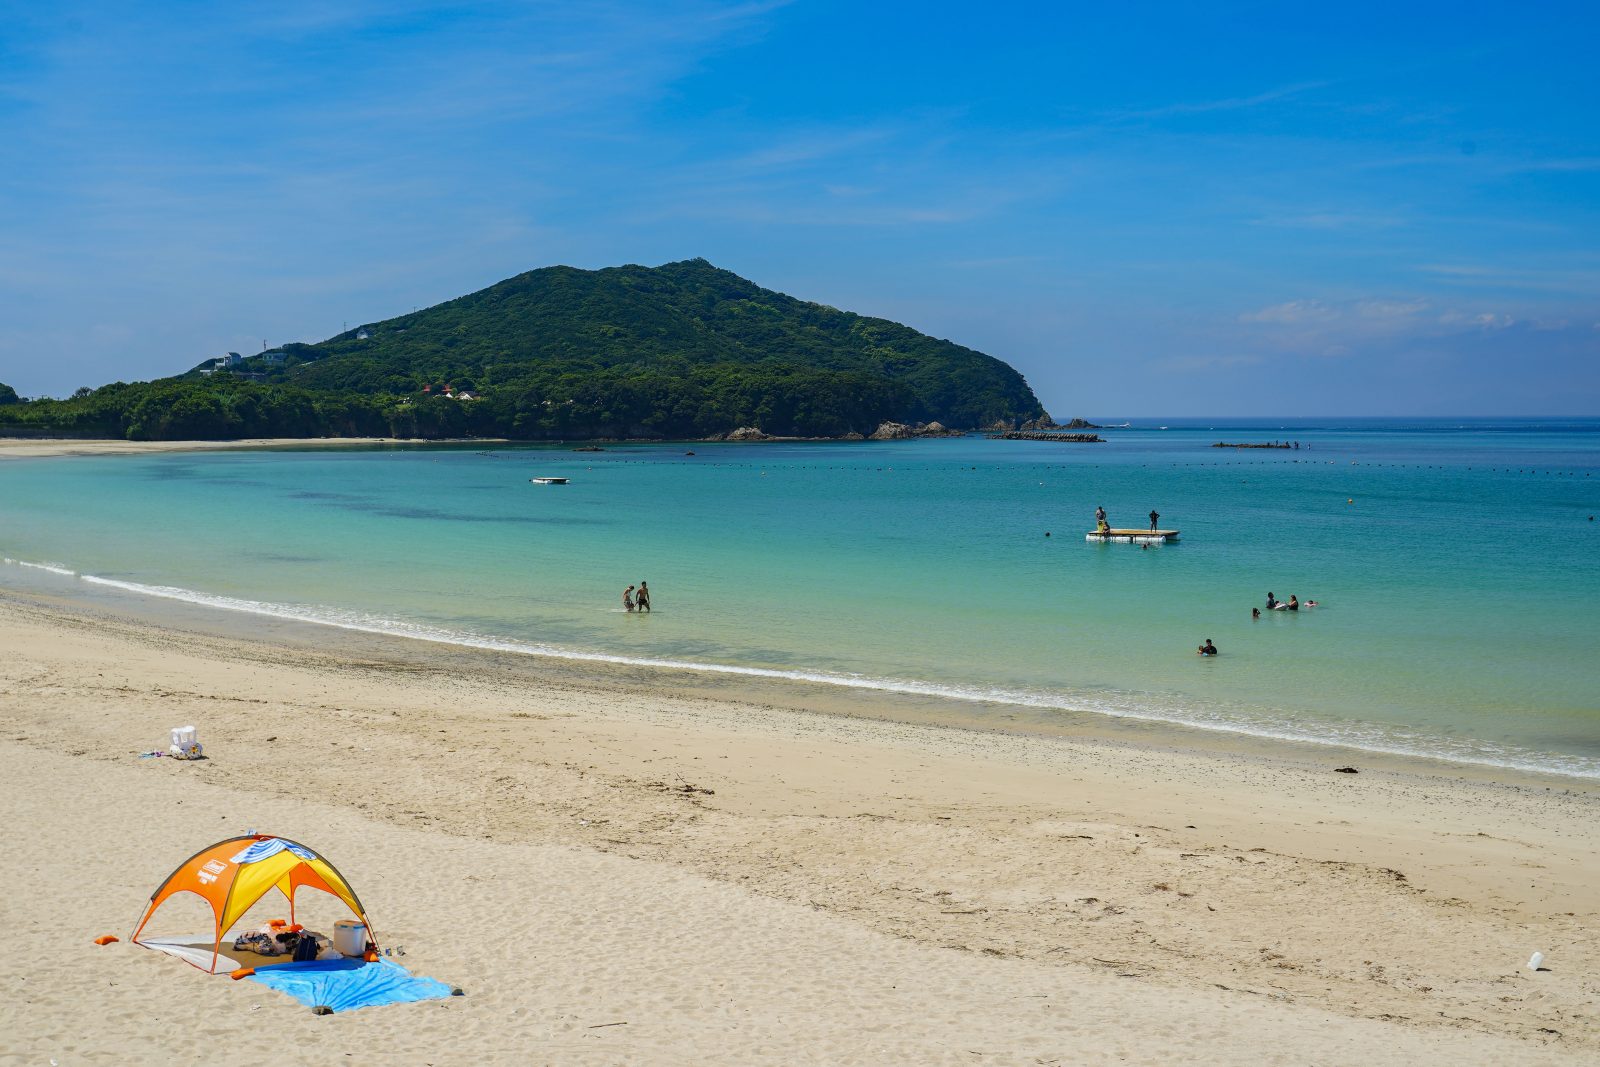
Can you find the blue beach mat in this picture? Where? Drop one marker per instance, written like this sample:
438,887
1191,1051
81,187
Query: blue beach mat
345,984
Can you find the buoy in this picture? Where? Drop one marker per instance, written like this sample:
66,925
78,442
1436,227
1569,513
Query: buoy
1352,500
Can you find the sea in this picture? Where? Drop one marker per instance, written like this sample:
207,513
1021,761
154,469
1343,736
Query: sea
1455,564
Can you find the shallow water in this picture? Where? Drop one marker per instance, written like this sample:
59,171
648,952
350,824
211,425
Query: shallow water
1454,562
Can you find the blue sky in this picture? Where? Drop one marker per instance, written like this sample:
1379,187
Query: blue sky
1149,209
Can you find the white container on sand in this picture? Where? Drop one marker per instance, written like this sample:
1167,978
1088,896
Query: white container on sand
350,937
185,743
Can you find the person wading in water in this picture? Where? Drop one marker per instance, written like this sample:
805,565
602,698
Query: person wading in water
642,597
627,599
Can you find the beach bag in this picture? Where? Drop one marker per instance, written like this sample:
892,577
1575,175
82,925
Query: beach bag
262,944
306,949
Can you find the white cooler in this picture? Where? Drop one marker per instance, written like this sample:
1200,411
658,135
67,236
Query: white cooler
350,937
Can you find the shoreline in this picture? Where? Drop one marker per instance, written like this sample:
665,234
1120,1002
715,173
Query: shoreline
890,699
43,447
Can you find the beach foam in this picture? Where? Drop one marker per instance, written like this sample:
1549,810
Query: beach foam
53,568
1380,739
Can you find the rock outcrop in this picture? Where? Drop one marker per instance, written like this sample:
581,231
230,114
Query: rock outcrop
745,433
896,431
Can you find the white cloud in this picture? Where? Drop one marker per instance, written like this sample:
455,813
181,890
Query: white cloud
1482,320
1294,311
1388,309
1232,103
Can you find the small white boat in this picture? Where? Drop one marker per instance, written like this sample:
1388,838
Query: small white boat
548,481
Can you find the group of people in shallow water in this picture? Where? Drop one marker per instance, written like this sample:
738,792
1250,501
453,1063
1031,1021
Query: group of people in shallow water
636,597
1274,604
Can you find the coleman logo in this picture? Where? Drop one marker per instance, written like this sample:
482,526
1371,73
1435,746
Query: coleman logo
209,872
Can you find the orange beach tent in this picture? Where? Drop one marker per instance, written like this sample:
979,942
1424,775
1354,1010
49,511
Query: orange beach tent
231,876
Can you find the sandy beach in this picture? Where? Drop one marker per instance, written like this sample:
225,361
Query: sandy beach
23,447
618,869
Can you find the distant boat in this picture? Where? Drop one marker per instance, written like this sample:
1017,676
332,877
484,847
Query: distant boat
548,481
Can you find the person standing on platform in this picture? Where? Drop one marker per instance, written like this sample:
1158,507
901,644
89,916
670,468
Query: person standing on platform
1155,517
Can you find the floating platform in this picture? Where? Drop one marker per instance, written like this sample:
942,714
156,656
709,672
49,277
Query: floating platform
548,481
1132,537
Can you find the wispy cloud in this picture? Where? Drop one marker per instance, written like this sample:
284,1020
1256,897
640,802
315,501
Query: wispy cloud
1231,103
811,146
1191,364
1292,312
1584,280
1334,220
1352,327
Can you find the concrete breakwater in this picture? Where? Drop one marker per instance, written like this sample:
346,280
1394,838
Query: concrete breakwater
1043,435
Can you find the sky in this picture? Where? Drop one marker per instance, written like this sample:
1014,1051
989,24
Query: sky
1148,209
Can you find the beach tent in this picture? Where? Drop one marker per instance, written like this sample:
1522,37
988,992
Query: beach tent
233,875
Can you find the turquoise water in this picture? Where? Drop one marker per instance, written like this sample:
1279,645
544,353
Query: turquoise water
1454,562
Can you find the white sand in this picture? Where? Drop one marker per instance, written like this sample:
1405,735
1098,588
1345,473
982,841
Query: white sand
23,447
851,892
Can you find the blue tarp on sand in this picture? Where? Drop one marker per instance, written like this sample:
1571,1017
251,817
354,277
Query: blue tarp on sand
345,984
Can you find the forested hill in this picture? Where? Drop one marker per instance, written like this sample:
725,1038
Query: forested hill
680,350
681,344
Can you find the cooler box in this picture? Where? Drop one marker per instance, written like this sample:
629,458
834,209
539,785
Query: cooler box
350,937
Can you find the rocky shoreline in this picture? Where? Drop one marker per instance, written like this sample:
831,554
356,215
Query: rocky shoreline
1040,429
886,431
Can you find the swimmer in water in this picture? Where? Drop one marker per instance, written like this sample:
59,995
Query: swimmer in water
1207,649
